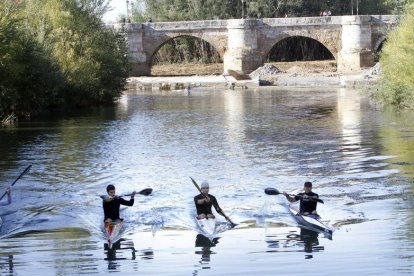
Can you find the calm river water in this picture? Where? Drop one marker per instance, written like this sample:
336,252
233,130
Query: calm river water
359,158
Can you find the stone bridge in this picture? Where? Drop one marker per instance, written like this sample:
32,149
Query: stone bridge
243,44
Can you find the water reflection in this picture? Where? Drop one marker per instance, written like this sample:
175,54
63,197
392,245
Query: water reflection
306,241
6,265
349,115
124,250
241,141
205,244
310,241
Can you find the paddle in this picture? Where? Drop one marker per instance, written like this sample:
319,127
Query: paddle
144,192
273,191
214,204
25,171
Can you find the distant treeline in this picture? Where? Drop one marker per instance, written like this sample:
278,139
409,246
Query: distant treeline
187,10
55,54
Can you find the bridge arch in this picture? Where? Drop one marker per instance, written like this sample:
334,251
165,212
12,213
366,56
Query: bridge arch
330,43
380,42
209,48
378,47
299,48
153,48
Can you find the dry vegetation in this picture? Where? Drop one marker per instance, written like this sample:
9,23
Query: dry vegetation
191,69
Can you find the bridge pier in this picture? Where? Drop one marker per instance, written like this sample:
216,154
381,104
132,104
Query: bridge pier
356,52
139,59
242,53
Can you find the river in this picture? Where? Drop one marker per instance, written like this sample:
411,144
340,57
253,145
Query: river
358,157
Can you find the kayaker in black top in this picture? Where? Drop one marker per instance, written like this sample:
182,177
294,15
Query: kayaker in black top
204,201
307,200
112,202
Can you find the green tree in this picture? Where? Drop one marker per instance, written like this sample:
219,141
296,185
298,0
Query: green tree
176,10
57,53
89,56
24,67
397,67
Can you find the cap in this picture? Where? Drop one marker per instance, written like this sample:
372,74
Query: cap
204,184
308,184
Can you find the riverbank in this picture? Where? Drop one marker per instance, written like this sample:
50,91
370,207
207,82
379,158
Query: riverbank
288,74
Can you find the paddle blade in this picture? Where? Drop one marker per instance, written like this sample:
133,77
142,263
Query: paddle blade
106,198
145,192
271,191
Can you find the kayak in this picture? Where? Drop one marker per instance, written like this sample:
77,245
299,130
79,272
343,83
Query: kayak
112,231
207,226
311,222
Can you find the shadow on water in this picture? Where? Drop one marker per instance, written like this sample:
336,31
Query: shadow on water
124,250
6,265
204,245
306,241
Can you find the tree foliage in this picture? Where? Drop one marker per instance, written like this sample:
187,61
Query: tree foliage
58,53
397,67
176,10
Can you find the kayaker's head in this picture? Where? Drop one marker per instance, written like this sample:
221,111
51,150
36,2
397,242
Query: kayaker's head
110,189
307,186
205,187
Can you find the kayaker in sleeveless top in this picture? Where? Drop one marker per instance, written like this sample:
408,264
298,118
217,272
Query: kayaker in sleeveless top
307,199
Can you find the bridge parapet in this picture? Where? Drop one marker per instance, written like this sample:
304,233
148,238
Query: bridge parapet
303,21
188,25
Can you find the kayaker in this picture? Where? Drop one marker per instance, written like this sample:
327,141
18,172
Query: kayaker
307,199
112,202
8,200
204,201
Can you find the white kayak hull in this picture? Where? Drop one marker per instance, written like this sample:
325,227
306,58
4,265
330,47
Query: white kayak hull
311,222
207,227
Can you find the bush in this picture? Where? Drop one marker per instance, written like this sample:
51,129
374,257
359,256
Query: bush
397,65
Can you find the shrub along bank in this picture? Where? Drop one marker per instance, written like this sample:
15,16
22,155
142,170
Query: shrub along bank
56,54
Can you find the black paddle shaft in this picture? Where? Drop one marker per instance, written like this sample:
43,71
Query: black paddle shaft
273,191
25,171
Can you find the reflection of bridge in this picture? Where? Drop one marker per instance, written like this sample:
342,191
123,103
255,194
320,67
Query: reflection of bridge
243,44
